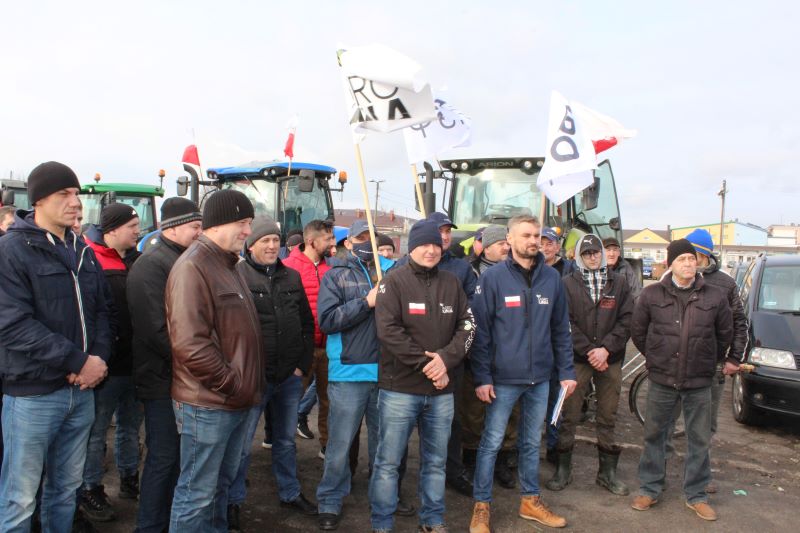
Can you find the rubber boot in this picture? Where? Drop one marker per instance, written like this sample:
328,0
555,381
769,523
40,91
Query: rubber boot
563,475
607,473
502,473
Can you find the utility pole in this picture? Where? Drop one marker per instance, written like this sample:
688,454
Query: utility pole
377,194
722,192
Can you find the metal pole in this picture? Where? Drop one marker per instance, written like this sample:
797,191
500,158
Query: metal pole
377,194
722,192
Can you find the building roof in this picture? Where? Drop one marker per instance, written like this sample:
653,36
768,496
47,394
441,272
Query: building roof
386,221
628,233
747,224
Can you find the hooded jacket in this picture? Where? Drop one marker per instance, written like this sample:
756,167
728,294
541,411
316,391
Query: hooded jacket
311,276
54,311
418,310
115,269
522,322
680,343
152,353
347,319
605,323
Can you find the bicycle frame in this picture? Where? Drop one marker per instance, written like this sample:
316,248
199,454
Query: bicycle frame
636,368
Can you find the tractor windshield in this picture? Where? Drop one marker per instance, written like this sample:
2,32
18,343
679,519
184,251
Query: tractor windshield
494,196
144,206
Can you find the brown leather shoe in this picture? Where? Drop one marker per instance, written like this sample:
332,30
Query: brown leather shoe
703,510
643,503
532,508
480,518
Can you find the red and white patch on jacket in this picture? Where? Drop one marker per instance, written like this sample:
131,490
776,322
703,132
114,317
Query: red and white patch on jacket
416,309
513,301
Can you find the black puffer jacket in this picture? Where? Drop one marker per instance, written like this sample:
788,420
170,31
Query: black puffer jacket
605,323
152,353
287,324
716,277
680,344
624,269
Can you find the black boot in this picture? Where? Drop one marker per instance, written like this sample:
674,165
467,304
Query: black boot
502,473
607,473
469,458
234,525
563,475
129,487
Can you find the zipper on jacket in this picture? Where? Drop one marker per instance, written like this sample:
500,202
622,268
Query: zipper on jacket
80,300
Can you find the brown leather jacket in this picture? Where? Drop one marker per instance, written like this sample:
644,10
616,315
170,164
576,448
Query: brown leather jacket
214,331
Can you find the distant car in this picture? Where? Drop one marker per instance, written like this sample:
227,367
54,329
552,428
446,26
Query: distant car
770,293
647,268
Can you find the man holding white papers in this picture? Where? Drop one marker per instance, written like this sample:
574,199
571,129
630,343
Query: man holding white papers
600,310
523,334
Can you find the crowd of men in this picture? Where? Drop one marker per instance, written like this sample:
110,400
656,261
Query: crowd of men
217,324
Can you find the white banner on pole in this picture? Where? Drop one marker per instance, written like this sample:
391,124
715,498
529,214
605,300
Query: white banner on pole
426,140
383,91
570,157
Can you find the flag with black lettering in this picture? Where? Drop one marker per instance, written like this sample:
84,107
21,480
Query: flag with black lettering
575,135
450,129
383,90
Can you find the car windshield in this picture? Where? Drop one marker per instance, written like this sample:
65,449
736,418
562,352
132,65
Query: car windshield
780,289
494,195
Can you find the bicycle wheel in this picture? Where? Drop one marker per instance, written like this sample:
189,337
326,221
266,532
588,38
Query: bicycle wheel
637,401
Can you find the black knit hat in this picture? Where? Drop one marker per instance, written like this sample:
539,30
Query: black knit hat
226,206
177,211
48,178
385,240
677,248
115,215
425,231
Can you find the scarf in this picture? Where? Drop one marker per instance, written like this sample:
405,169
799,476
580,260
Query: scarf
595,281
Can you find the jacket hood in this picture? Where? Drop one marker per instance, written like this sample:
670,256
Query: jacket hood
713,266
108,257
24,223
579,260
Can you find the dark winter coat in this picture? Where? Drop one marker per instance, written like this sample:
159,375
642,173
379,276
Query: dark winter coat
681,344
605,323
625,269
53,308
419,310
152,353
287,324
115,269
722,280
523,326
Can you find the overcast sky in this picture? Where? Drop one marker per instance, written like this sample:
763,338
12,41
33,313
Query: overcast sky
710,86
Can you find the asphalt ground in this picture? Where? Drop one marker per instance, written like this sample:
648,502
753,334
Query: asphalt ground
762,464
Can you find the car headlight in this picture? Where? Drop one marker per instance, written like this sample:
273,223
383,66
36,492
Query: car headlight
770,357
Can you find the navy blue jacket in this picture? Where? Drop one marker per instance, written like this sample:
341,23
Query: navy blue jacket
349,322
53,308
458,266
523,332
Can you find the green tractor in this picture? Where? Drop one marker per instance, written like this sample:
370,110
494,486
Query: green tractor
15,192
141,197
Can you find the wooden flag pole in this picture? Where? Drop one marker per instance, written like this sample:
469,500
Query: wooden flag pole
419,190
370,223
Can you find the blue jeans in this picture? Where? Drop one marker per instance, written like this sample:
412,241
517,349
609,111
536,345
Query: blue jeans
281,399
399,414
349,402
211,448
117,393
161,466
659,423
531,417
308,400
47,431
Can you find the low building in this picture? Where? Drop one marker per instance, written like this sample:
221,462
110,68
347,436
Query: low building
646,243
743,241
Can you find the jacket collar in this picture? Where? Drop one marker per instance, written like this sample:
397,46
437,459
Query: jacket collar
298,254
420,270
228,258
24,223
172,245
516,267
267,270
666,282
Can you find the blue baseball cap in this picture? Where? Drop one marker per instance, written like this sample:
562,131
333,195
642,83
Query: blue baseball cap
441,220
549,233
357,228
339,233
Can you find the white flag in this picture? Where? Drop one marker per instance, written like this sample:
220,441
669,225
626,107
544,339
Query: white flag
604,131
426,140
383,90
570,157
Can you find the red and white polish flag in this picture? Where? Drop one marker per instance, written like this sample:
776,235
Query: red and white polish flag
288,148
513,301
416,309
